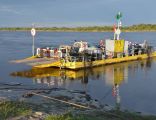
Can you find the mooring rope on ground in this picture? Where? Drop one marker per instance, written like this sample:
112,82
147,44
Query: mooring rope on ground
58,100
78,105
63,101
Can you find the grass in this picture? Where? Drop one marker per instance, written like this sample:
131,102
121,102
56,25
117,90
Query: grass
66,116
99,115
10,109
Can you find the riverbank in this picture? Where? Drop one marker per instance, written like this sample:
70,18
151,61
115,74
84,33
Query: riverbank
62,104
16,110
101,115
133,28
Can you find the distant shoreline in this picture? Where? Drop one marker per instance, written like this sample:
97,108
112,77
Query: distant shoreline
133,28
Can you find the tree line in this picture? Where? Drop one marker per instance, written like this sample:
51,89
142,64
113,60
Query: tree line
139,27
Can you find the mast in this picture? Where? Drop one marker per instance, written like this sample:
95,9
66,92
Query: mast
117,30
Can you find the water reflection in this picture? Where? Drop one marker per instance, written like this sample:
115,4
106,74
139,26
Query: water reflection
113,76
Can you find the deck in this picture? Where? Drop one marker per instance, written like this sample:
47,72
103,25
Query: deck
34,61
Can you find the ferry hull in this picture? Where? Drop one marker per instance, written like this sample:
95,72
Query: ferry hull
79,65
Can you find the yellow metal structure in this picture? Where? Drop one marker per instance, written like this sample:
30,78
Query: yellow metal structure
78,65
118,46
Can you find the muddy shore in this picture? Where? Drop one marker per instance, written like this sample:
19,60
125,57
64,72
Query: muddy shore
56,103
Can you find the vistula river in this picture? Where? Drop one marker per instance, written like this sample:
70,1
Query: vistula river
136,80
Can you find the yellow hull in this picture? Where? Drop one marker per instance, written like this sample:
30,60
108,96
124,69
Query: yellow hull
79,65
113,74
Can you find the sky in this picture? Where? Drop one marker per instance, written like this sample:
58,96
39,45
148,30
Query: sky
71,13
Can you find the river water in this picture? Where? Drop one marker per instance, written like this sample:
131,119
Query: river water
129,85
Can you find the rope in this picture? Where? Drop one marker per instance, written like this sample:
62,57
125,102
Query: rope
78,105
55,99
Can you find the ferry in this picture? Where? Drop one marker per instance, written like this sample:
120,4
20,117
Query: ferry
83,55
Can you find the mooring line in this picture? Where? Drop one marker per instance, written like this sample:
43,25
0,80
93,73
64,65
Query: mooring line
78,105
63,101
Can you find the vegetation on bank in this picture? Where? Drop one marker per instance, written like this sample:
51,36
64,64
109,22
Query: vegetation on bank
9,109
101,115
140,27
12,109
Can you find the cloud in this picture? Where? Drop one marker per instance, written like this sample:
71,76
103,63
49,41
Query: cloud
9,9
